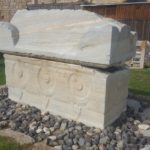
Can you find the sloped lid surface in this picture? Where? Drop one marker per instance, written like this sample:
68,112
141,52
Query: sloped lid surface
70,36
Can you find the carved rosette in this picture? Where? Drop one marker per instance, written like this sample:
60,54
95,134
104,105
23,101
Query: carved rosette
80,87
20,74
46,81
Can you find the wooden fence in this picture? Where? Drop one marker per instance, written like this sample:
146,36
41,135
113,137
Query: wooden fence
136,15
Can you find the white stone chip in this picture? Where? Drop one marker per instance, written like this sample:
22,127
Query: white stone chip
147,147
144,126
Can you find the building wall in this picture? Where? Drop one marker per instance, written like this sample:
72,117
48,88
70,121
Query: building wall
9,7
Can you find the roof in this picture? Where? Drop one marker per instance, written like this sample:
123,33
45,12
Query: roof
115,3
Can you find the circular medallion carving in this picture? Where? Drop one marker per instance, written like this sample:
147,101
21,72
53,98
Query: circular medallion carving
80,87
20,74
46,81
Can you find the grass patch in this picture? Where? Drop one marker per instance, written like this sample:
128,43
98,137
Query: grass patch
140,82
9,144
2,71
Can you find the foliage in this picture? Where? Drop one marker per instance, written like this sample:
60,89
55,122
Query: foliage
2,71
9,144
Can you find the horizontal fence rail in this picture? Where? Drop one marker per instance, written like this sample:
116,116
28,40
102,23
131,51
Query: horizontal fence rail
137,16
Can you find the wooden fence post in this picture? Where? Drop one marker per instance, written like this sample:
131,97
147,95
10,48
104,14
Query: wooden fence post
143,52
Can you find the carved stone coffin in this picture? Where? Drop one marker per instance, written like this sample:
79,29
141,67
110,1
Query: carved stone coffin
88,95
72,36
55,60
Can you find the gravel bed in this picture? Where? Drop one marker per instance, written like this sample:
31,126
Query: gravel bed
65,134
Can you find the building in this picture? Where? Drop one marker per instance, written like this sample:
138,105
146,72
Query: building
9,7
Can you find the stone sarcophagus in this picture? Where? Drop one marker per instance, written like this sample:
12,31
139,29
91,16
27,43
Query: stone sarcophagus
66,62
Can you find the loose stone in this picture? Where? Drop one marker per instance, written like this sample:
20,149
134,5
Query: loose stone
78,127
137,122
88,144
144,126
63,125
57,125
120,145
69,142
104,140
32,126
53,138
58,147
75,147
46,131
39,130
52,129
46,118
12,125
3,124
97,130
81,141
89,133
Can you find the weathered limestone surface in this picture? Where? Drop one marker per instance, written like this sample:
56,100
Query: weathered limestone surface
83,94
46,52
73,36
9,36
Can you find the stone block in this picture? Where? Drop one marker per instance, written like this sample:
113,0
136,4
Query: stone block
55,61
88,95
73,36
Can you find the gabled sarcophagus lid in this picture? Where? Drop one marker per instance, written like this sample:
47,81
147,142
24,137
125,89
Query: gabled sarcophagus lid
72,36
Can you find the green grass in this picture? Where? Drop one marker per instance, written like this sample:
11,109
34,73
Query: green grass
140,82
9,144
2,71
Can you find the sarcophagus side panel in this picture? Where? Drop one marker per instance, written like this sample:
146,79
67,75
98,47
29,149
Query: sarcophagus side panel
88,95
